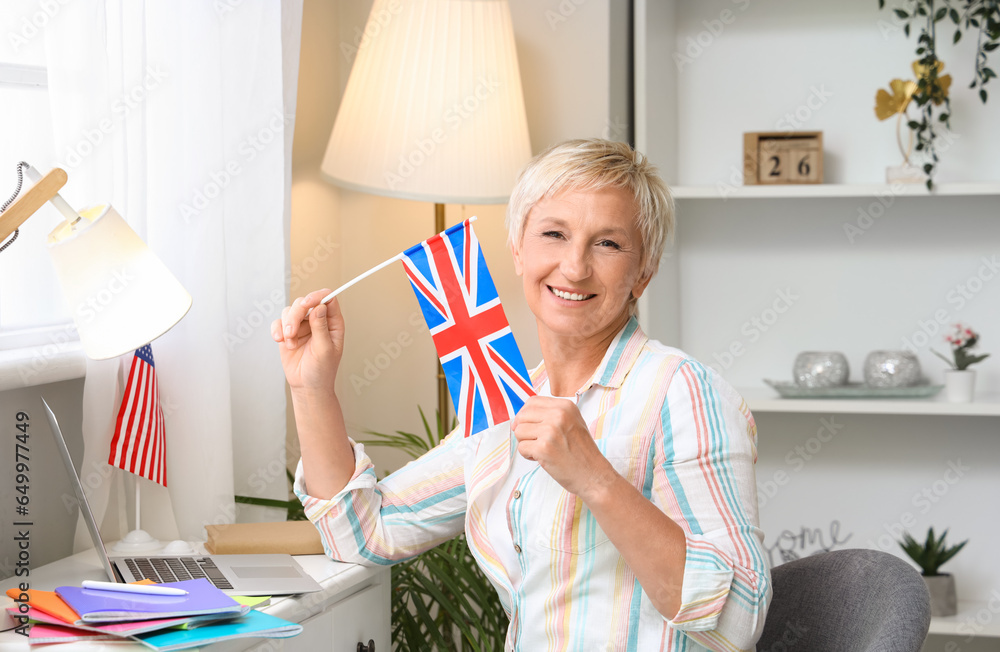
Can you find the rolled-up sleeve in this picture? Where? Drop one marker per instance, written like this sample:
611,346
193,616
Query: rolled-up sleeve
376,522
704,479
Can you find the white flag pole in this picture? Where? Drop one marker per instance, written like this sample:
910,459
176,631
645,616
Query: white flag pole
354,280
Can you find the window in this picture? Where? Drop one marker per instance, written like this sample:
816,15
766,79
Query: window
32,310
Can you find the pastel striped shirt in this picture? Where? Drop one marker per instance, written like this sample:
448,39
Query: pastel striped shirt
672,427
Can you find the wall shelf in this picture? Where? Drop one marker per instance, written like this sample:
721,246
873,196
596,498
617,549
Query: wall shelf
965,622
833,190
764,399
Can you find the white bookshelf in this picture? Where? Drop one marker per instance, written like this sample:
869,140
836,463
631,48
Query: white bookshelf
831,190
765,399
869,263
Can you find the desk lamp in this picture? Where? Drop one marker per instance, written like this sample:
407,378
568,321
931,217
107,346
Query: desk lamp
433,110
120,295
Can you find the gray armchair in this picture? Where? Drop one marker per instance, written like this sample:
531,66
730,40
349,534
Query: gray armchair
846,600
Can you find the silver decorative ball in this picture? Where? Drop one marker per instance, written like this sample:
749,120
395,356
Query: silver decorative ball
892,369
820,369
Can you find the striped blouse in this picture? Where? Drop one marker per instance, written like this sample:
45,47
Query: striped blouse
671,426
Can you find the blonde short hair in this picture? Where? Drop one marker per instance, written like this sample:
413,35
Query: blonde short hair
595,164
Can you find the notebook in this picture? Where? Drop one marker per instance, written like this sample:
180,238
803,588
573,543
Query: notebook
255,623
117,630
272,574
45,633
103,606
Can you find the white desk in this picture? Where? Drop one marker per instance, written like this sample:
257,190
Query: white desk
353,607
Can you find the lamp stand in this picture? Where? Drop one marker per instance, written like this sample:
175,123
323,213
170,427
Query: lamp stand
46,189
442,381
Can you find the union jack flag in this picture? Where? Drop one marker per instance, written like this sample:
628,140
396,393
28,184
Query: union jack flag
487,379
139,442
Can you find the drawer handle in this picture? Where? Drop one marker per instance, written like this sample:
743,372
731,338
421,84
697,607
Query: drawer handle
366,648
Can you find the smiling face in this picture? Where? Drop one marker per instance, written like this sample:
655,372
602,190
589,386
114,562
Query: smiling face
579,259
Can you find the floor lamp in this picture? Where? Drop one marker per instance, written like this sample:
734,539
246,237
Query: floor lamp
433,110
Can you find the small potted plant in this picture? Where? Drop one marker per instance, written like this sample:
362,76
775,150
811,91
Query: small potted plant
930,556
960,381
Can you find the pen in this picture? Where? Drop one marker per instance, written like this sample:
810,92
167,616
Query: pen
147,589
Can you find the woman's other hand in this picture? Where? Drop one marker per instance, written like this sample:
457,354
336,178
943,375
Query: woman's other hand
552,432
311,344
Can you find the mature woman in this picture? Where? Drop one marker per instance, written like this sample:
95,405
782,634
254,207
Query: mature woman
618,510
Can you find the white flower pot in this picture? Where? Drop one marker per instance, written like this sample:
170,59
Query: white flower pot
959,385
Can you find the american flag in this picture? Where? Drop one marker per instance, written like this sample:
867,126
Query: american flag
487,379
139,443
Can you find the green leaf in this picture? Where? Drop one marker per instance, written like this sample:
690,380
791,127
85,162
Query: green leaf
906,29
881,4
940,14
427,624
955,19
957,37
902,14
262,502
982,95
932,554
989,47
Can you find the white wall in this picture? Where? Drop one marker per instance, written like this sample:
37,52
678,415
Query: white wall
571,56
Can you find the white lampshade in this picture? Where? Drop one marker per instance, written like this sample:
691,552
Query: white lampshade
433,109
121,296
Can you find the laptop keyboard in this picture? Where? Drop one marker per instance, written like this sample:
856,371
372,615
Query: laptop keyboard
176,569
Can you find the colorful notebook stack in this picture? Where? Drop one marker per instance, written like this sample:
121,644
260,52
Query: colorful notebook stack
161,622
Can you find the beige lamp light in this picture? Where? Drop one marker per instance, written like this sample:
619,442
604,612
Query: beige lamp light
120,295
433,110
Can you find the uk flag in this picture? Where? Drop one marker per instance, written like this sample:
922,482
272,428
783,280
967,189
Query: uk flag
486,375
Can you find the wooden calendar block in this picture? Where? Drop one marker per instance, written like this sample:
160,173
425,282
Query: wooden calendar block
782,157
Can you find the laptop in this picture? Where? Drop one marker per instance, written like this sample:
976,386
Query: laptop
234,574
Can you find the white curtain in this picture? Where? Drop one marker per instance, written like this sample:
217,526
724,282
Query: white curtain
180,113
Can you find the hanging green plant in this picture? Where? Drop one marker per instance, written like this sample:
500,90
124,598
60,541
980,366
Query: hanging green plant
931,95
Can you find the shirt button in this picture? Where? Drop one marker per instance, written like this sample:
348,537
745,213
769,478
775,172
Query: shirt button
517,549
517,494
